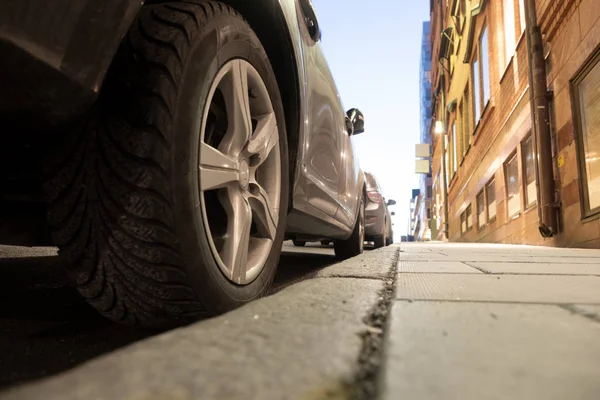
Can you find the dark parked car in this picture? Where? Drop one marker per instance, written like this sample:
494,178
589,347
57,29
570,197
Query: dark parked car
169,148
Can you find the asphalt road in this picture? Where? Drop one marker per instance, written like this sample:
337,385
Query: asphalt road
46,328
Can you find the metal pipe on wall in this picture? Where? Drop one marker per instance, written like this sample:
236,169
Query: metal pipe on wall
541,124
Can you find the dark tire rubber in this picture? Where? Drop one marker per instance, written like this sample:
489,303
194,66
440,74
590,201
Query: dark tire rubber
123,193
379,241
354,245
299,243
325,242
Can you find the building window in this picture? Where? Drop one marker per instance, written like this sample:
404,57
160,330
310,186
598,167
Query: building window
466,120
463,223
586,88
429,192
512,186
522,21
469,218
510,40
481,76
529,171
480,210
476,91
490,192
454,152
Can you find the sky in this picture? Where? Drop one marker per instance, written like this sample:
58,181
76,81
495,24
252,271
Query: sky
374,52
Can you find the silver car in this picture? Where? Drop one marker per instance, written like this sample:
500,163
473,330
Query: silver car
378,222
205,134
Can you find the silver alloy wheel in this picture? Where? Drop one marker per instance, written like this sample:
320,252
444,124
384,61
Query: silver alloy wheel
240,171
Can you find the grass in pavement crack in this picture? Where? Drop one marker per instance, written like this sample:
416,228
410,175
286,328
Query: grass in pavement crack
365,382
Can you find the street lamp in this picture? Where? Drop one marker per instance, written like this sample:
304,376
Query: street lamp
439,127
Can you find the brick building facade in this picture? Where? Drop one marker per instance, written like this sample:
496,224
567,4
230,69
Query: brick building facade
482,101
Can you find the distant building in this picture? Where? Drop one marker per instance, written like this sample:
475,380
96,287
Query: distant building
522,150
423,204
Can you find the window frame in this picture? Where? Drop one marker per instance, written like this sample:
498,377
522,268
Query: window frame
469,217
489,183
593,61
528,204
478,77
481,199
512,157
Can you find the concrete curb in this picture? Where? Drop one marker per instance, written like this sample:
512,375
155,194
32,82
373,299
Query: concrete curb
304,342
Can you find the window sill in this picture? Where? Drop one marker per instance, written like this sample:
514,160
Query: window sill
507,68
532,206
591,217
492,220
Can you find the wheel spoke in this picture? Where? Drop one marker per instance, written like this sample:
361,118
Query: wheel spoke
239,221
265,138
237,102
265,215
216,168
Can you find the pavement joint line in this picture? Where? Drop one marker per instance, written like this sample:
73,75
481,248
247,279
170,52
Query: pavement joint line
371,277
367,380
484,270
575,310
534,303
493,273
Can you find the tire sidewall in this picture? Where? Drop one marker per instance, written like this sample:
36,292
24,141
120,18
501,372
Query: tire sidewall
213,49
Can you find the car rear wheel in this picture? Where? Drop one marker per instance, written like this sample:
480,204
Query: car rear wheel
170,203
354,245
299,243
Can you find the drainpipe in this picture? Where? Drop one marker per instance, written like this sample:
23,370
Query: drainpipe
541,123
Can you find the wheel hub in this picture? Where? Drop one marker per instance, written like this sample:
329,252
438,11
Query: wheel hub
244,174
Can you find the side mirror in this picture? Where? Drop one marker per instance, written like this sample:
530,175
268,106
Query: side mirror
357,119
391,202
393,213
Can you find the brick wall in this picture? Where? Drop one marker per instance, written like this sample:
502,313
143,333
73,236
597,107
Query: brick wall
572,29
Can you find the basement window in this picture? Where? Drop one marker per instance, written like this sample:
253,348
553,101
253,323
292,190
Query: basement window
529,180
511,170
490,191
480,210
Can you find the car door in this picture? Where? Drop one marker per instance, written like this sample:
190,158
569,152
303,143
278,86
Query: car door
324,143
350,190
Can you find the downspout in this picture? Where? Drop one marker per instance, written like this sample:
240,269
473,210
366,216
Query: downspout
541,123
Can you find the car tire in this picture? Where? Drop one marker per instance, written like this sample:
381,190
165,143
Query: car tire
138,209
389,242
354,245
379,241
299,243
325,243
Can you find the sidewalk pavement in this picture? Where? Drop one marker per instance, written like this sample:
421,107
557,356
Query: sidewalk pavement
494,322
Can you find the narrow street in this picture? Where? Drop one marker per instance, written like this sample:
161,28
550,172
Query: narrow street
410,321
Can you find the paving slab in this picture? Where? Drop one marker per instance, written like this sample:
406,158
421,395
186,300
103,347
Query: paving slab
539,268
302,342
374,264
435,266
553,289
490,351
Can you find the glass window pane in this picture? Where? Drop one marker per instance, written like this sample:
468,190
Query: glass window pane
480,210
509,29
512,186
476,92
485,66
522,14
529,171
469,218
455,153
589,100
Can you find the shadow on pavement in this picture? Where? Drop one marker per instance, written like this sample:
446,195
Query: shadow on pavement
47,328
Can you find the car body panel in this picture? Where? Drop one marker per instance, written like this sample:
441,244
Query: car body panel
328,180
377,215
70,45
